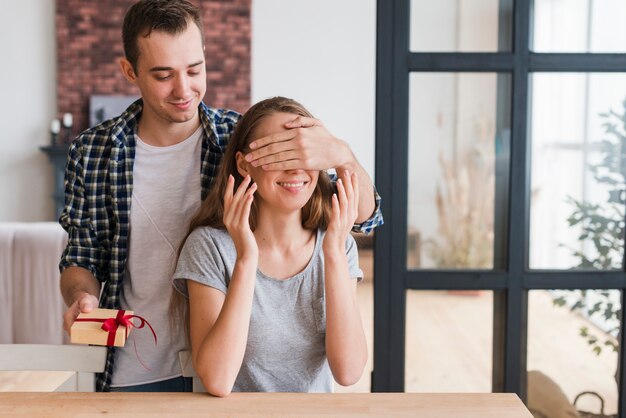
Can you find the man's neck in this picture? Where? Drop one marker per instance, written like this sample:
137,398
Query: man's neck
160,133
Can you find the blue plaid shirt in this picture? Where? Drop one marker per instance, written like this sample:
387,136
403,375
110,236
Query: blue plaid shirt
98,193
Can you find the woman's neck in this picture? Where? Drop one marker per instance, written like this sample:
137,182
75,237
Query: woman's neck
285,247
281,232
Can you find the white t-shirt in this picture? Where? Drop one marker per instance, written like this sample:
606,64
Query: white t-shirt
166,194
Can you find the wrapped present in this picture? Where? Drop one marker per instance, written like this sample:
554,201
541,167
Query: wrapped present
108,327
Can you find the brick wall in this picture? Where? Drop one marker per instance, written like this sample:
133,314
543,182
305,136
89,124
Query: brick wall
89,46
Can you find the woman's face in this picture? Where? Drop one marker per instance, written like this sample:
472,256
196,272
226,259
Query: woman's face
279,190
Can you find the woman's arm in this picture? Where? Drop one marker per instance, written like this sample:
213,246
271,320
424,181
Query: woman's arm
219,328
346,347
218,322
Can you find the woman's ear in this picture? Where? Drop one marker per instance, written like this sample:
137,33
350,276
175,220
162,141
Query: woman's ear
242,164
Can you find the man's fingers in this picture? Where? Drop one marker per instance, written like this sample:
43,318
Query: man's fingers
302,122
273,138
277,158
86,305
285,165
271,149
69,317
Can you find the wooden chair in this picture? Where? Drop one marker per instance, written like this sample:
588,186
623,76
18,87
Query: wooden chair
84,361
186,365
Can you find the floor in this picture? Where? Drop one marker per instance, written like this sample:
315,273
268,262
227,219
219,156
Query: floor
449,346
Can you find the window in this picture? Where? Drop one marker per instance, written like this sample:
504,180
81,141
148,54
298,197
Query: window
536,112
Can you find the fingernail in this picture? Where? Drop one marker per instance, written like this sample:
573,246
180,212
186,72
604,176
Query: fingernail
255,163
249,157
253,145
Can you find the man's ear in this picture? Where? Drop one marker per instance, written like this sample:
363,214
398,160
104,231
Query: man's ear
242,164
128,70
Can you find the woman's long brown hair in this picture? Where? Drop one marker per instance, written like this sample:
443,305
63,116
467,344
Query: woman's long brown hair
315,214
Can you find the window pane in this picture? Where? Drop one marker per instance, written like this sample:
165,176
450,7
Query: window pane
449,338
460,26
579,26
582,358
458,140
578,182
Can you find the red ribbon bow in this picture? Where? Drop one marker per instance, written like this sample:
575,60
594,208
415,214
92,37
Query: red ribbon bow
111,325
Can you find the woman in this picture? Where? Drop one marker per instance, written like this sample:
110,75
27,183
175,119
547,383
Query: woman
270,270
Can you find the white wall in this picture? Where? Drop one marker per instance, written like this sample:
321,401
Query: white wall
27,83
320,53
323,54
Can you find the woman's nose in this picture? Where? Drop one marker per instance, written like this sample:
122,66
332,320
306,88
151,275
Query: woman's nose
295,171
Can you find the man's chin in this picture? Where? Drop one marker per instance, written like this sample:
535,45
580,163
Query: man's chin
182,117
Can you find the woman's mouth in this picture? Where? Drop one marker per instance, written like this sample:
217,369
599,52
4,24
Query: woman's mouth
292,186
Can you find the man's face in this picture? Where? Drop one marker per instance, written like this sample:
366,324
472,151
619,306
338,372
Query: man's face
171,74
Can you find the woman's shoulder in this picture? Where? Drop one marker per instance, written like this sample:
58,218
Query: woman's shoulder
209,234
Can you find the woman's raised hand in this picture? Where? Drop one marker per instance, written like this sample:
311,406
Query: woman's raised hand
237,214
345,211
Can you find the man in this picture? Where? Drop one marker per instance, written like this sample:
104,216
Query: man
133,183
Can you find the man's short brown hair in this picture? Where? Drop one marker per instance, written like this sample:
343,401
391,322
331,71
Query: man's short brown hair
169,16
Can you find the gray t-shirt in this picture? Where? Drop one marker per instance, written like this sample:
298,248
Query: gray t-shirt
286,349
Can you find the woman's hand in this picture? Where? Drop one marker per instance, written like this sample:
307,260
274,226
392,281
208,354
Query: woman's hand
236,217
344,214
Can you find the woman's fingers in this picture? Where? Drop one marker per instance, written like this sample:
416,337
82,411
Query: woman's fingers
345,201
336,212
236,201
247,203
355,196
228,194
242,188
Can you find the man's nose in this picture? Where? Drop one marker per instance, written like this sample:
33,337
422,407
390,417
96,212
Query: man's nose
181,87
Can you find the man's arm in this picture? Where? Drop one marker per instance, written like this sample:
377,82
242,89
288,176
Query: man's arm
80,290
308,145
82,257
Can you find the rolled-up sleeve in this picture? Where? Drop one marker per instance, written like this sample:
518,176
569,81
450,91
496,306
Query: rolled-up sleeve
83,248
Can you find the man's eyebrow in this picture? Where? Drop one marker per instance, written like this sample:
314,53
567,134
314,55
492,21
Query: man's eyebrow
157,69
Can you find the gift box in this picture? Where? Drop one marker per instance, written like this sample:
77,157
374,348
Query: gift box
108,327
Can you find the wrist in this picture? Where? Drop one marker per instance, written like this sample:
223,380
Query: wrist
247,261
334,251
347,160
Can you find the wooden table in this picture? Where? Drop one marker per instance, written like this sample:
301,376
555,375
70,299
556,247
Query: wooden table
417,405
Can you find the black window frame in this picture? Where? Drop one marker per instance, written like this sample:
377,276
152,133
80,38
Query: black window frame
509,282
